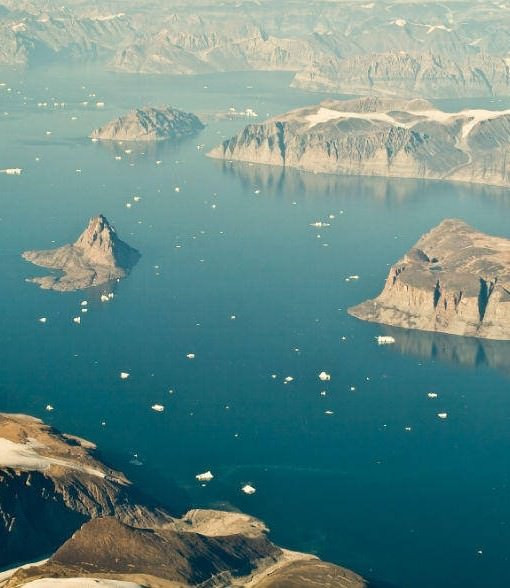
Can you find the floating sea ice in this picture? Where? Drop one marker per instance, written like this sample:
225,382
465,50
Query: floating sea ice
442,415
158,407
49,408
385,340
248,489
43,319
190,356
324,377
432,394
205,477
77,320
124,375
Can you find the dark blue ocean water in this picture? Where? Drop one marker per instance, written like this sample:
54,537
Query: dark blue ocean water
421,508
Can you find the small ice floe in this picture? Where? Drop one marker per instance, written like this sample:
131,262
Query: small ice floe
257,191
319,224
118,158
324,377
84,309
43,320
352,388
353,277
432,394
190,356
407,429
158,407
100,104
107,297
288,379
233,317
205,477
77,320
248,489
49,408
137,198
323,392
385,340
329,412
177,189
128,205
124,375
442,415
12,171
84,303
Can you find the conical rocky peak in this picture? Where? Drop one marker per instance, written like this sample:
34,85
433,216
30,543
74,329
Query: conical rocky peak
97,256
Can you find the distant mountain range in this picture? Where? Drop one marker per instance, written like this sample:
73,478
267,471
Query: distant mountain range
434,50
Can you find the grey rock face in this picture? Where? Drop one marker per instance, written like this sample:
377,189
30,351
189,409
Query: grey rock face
455,280
380,137
97,257
409,74
150,124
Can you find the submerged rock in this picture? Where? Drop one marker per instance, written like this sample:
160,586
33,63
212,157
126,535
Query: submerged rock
97,257
380,137
455,280
150,124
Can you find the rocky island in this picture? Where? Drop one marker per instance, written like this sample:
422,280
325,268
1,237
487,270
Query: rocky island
97,257
117,541
150,124
380,137
454,280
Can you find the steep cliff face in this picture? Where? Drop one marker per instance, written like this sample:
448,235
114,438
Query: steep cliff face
150,124
407,75
50,484
97,257
455,280
381,137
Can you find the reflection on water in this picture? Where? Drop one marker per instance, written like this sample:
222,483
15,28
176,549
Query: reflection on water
286,181
465,351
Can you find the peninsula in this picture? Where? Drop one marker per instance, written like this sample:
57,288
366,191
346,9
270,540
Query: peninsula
91,516
96,258
455,280
380,137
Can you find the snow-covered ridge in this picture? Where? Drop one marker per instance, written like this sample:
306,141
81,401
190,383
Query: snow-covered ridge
26,457
471,117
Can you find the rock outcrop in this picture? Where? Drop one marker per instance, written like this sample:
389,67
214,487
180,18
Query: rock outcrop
455,280
150,124
381,137
51,486
96,258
